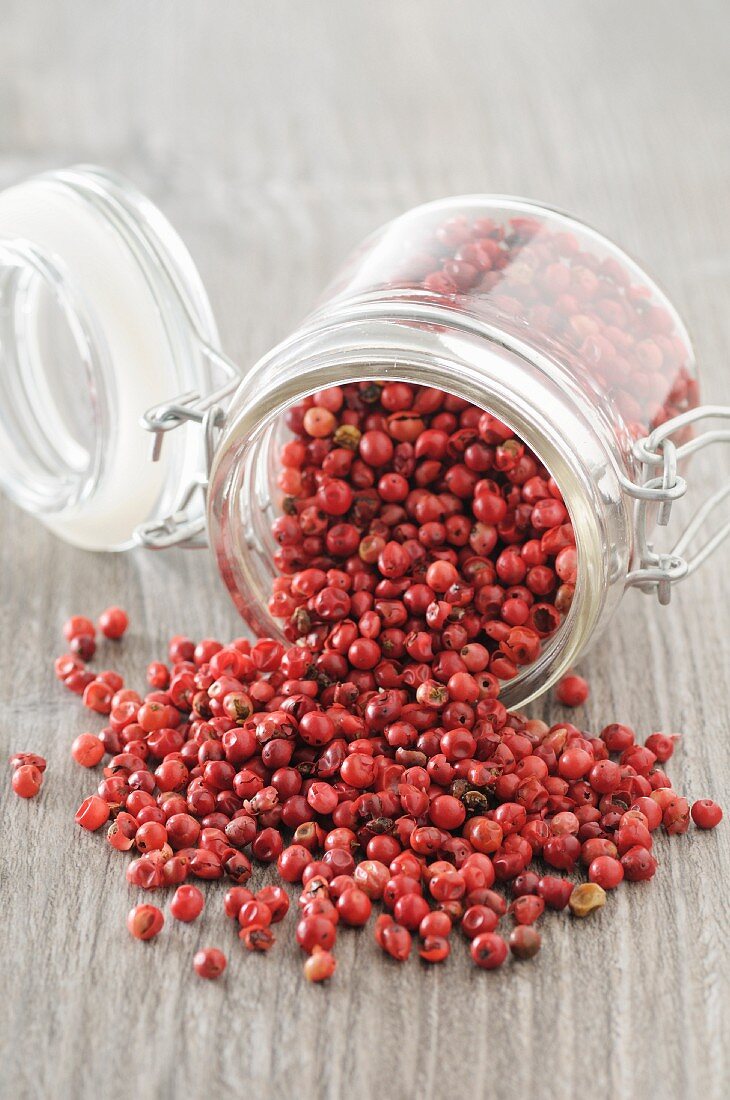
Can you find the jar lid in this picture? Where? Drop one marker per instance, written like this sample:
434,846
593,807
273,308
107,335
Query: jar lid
102,315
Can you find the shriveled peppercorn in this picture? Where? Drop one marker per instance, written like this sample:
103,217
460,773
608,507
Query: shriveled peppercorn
586,898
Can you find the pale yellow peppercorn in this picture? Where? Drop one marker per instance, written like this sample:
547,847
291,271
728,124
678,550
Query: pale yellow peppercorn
347,435
587,897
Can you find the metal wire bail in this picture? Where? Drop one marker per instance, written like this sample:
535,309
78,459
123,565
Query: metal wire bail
658,571
185,526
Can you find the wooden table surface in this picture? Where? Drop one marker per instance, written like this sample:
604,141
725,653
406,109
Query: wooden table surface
275,136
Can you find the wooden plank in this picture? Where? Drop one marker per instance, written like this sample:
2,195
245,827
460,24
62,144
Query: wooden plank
275,137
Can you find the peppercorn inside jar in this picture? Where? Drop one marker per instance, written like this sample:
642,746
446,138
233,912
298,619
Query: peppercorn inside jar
419,542
437,461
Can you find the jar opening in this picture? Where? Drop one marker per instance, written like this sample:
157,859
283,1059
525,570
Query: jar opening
53,384
256,502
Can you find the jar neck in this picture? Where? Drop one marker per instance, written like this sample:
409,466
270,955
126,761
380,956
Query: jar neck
424,346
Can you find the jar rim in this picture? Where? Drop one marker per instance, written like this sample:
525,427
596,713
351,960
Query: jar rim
245,445
50,464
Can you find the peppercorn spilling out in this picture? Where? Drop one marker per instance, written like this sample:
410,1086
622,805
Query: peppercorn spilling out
363,798
28,769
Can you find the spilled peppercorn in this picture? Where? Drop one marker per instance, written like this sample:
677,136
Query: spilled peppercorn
425,556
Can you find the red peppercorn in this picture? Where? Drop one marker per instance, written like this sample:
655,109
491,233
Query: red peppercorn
488,950
145,921
27,780
527,909
257,938
395,940
572,691
435,923
87,750
617,738
151,836
606,871
209,962
477,920
423,552
187,903
112,623
320,966
524,941
411,910
83,645
555,892
676,816
277,901
661,745
706,814
447,812
92,813
292,861
98,696
354,907
638,864
315,931
434,949
76,626
235,899
122,831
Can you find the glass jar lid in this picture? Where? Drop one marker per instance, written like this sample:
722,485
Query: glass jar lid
102,314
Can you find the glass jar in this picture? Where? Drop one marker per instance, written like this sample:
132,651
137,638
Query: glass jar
511,306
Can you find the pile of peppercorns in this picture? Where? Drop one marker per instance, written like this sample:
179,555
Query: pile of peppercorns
232,754
425,555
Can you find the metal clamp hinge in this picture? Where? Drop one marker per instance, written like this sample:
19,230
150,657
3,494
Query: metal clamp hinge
658,571
185,526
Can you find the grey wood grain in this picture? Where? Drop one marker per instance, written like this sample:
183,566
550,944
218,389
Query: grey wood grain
275,135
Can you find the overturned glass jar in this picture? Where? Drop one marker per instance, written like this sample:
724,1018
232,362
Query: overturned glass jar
106,333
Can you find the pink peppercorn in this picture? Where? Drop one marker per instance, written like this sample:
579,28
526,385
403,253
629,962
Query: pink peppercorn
315,931
478,919
209,963
606,871
113,622
27,780
488,950
572,691
92,813
87,750
78,625
396,941
524,941
706,814
320,966
434,949
145,921
277,901
638,864
187,903
555,892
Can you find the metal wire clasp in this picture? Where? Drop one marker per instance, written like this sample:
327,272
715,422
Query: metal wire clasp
185,526
660,458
